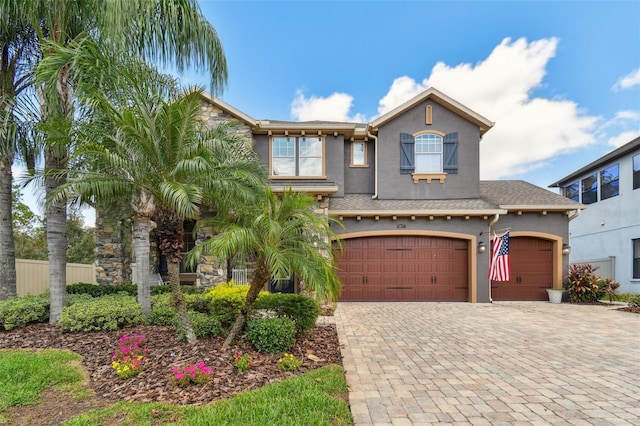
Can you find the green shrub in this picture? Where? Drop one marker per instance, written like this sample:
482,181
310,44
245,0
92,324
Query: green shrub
198,302
226,301
300,309
634,301
99,290
582,284
18,311
72,299
103,313
162,315
203,326
271,335
161,300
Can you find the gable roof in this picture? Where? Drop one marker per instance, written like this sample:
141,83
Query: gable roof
524,196
605,159
229,109
432,93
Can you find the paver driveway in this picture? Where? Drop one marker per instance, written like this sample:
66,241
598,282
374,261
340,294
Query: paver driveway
503,363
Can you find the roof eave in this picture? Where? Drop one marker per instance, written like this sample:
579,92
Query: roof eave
229,109
421,212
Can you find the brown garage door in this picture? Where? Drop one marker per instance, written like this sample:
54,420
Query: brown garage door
404,269
531,271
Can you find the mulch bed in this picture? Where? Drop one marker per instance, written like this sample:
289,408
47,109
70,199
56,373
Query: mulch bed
317,347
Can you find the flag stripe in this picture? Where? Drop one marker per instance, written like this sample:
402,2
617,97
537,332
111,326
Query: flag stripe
500,266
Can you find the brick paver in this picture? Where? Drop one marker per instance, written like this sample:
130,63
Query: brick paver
524,363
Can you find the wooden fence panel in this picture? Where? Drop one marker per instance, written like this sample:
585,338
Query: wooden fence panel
33,275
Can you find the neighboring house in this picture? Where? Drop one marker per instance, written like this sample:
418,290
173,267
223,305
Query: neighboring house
416,216
607,234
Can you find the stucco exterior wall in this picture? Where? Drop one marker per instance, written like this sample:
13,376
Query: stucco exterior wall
359,180
606,228
464,184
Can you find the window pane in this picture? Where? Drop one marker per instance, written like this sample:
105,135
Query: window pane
636,171
310,167
284,147
310,161
428,143
283,166
357,152
573,191
590,189
609,180
428,163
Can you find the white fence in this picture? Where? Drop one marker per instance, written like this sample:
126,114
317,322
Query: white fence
32,276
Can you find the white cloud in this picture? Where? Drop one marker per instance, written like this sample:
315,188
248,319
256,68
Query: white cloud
630,80
334,107
529,130
623,138
628,115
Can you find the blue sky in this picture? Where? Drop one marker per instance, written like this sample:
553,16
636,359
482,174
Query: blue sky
561,80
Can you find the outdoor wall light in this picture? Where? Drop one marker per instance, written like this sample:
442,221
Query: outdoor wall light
482,247
566,249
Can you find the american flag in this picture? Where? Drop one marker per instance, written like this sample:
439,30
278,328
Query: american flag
500,268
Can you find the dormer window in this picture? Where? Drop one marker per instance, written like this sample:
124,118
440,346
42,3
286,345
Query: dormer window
297,157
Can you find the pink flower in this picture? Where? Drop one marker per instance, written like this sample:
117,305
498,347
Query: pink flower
179,375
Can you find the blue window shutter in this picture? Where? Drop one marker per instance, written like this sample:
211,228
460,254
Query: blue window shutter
450,151
407,158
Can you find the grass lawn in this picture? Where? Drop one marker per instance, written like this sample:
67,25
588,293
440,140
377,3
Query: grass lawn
314,398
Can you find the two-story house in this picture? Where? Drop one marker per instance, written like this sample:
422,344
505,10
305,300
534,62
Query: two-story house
417,217
607,234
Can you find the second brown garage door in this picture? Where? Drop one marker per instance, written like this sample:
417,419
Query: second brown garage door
404,268
531,271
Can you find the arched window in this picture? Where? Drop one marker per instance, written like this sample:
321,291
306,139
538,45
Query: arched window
428,152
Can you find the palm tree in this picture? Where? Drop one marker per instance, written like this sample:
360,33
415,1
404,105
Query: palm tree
148,145
17,51
164,31
284,236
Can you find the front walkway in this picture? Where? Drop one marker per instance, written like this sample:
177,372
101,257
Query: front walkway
525,363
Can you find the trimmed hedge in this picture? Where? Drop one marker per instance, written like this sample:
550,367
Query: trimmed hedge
98,290
301,309
226,302
19,311
271,335
101,314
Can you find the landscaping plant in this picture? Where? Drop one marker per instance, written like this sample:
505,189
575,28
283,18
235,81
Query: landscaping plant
128,359
242,362
289,362
271,335
582,284
189,374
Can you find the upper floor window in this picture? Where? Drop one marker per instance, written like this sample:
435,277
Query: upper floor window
636,171
609,182
359,154
428,153
297,156
573,191
590,189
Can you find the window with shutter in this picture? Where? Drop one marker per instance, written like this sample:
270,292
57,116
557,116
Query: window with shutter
450,150
407,161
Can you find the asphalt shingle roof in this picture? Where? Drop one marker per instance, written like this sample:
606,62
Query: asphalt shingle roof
495,196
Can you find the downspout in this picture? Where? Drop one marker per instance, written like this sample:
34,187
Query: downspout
375,139
576,214
494,221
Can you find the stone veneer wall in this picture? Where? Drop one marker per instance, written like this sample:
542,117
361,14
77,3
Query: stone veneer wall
113,250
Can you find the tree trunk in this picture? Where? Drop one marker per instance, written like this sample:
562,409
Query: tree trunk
179,302
257,284
142,227
56,216
7,248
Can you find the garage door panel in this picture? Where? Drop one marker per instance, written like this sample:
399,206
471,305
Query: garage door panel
404,268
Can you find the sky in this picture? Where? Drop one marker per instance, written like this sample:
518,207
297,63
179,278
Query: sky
560,79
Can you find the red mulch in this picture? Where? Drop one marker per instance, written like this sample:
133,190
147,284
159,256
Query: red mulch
317,347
